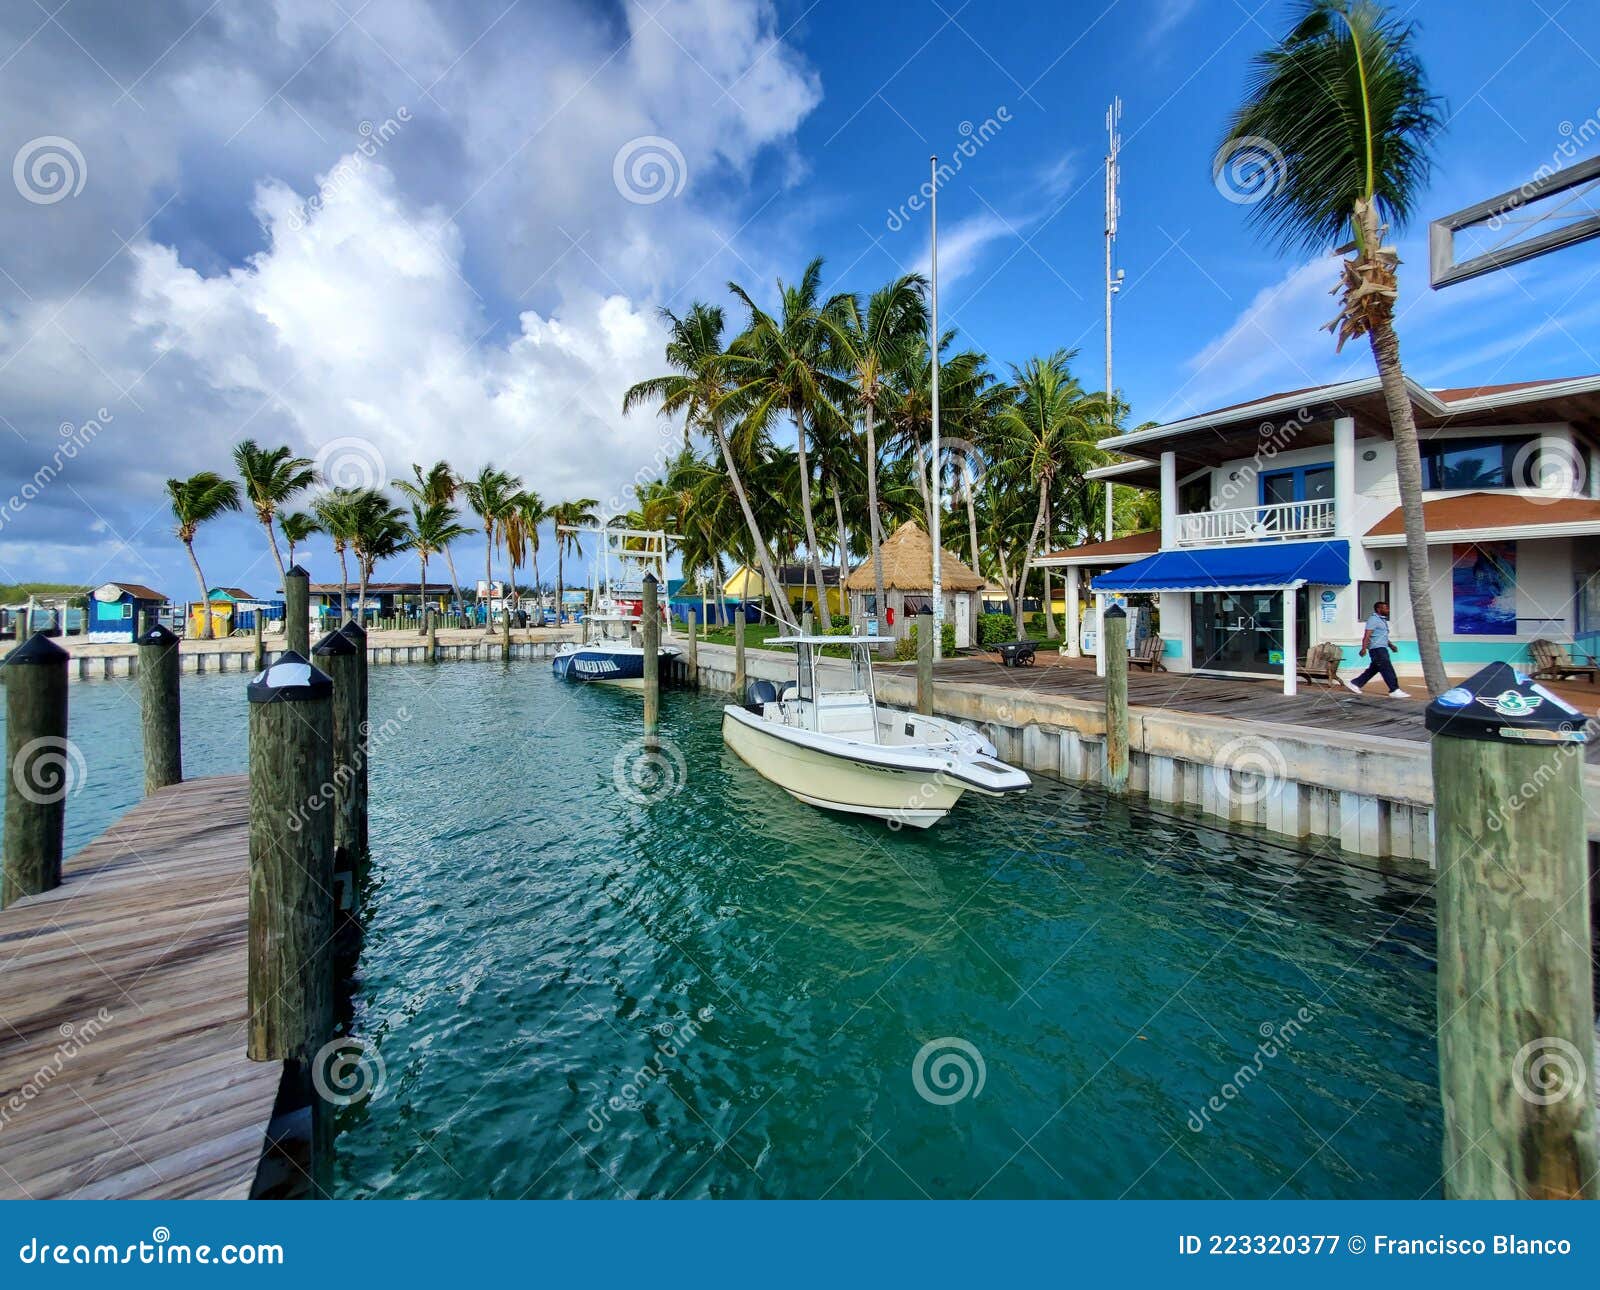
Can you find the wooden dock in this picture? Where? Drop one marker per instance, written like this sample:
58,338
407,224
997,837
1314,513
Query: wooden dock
122,1012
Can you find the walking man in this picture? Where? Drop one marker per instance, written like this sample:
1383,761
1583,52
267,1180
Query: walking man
1376,640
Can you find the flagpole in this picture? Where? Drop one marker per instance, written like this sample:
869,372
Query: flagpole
938,487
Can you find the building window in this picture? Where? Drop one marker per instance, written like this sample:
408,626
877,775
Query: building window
1502,461
127,609
1195,496
1369,594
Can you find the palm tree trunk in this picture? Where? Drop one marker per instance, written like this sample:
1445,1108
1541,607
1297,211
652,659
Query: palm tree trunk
768,573
1408,474
874,531
810,519
422,595
1027,551
361,595
272,541
455,582
972,523
344,588
488,574
205,605
844,547
1049,610
560,586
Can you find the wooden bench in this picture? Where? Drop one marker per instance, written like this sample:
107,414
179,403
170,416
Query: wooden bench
1551,662
1147,654
1321,663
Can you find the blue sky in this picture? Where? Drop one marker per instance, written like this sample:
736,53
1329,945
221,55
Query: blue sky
389,232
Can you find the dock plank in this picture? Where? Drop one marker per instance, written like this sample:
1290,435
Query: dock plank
123,1012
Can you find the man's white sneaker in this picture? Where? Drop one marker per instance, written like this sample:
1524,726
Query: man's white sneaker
1398,694
1353,689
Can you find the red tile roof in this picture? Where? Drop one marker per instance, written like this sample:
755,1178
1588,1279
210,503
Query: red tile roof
1473,511
1146,543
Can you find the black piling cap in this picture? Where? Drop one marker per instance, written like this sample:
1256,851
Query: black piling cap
1503,704
295,571
335,642
38,648
355,632
1116,611
652,579
291,679
158,635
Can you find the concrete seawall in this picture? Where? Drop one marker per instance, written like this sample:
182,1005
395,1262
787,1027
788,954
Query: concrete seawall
1365,796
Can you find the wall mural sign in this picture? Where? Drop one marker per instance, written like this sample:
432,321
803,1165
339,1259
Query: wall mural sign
1483,586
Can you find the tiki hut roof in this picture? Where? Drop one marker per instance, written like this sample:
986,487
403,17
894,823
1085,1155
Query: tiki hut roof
908,565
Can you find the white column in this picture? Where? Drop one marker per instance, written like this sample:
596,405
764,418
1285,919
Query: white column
1111,506
1291,646
1070,574
1169,500
1344,477
1099,635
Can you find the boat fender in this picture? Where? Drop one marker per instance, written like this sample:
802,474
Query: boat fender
759,693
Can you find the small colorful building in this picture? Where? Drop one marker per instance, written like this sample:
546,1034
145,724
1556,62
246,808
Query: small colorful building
908,587
117,610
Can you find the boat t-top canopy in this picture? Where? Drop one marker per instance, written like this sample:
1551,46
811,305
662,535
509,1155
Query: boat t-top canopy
827,640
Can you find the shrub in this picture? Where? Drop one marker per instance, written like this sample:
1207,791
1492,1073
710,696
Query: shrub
1036,623
995,628
905,648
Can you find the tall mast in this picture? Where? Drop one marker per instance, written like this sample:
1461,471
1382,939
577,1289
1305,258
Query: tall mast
1113,280
938,486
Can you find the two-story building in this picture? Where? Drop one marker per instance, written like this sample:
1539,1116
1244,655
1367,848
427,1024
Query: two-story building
1281,525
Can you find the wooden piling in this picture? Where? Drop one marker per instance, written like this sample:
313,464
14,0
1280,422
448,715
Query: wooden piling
260,660
925,664
433,637
361,754
42,767
1115,627
738,654
505,635
159,708
291,861
806,622
652,657
297,611
335,654
1516,1037
692,654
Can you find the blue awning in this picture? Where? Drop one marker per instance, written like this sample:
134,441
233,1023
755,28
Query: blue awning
1259,566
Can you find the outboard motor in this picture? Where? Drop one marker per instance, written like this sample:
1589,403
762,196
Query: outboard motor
759,693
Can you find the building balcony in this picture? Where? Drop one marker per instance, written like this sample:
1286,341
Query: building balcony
1277,522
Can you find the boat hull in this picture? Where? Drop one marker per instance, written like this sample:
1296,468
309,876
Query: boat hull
594,665
917,798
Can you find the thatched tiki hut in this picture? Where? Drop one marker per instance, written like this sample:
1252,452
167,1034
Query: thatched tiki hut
908,586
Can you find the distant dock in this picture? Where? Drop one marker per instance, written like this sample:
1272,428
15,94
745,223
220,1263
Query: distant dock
122,1000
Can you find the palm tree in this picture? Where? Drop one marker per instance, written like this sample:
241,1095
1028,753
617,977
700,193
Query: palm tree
271,477
1048,428
1345,100
438,483
378,531
297,526
195,500
787,364
519,531
700,387
336,513
489,495
433,528
872,344
574,514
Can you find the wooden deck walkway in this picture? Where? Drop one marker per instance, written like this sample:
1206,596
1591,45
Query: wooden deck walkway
1317,706
122,1012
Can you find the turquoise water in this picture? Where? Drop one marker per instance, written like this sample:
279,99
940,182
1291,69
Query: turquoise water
717,991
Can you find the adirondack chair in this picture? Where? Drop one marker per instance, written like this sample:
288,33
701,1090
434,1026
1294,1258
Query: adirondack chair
1147,654
1551,662
1321,663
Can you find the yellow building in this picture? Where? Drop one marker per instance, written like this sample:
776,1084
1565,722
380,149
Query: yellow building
798,583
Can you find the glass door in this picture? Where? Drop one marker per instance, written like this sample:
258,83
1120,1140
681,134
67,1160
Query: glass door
1242,631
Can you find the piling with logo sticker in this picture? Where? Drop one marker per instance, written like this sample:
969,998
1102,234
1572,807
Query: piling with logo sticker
1516,1040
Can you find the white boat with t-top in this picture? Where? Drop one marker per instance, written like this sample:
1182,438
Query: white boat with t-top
828,742
612,649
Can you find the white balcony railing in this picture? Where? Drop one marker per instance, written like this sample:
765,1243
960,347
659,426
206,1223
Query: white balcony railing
1281,521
